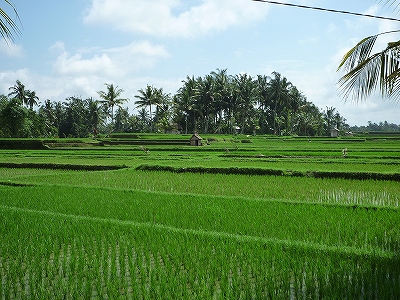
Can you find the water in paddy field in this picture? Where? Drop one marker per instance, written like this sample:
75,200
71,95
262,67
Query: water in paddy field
375,198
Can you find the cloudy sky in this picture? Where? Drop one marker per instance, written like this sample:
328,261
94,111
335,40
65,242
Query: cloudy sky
71,48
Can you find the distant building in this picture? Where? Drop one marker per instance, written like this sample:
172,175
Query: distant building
195,140
334,132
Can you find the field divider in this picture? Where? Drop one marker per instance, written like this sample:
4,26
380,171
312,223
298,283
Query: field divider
274,172
72,167
285,244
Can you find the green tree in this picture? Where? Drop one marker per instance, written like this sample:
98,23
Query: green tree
8,27
281,97
162,101
47,113
147,98
18,92
74,118
95,115
205,99
224,99
142,122
31,99
186,101
111,98
14,119
245,100
308,120
163,113
121,120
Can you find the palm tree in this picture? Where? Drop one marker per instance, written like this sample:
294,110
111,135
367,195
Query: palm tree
279,94
224,100
18,91
245,92
143,117
147,97
94,114
162,101
206,98
262,89
31,99
187,100
111,98
8,27
365,72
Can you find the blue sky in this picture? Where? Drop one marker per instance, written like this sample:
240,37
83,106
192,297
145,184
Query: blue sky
71,48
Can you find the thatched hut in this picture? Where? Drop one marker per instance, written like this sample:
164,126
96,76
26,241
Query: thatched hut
196,140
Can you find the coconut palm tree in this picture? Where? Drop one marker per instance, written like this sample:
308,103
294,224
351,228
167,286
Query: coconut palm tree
187,100
224,99
206,98
111,98
95,114
8,27
31,99
280,94
147,97
18,92
245,92
366,72
162,101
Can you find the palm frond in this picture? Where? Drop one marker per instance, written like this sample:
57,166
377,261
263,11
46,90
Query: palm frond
391,3
366,72
358,54
8,27
362,80
391,69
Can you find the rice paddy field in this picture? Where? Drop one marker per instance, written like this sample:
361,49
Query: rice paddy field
238,218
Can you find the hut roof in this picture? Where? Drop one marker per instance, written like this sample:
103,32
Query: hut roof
196,137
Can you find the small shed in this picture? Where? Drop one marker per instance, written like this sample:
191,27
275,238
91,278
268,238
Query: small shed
334,132
195,140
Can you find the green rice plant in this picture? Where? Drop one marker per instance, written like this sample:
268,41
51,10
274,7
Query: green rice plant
69,256
350,228
160,235
296,154
300,189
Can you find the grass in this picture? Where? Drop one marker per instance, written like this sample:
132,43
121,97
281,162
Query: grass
136,234
342,227
93,256
294,189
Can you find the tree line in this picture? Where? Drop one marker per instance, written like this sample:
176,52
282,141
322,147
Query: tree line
381,126
215,103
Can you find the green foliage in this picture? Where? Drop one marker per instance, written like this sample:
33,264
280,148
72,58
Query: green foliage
217,102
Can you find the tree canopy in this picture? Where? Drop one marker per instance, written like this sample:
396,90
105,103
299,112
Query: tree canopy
215,103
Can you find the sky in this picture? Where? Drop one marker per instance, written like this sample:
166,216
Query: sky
72,48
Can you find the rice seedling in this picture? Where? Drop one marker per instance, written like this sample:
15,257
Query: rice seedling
316,190
100,258
160,235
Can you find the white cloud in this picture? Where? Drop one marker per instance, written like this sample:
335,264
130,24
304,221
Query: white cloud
112,62
11,49
171,18
8,79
